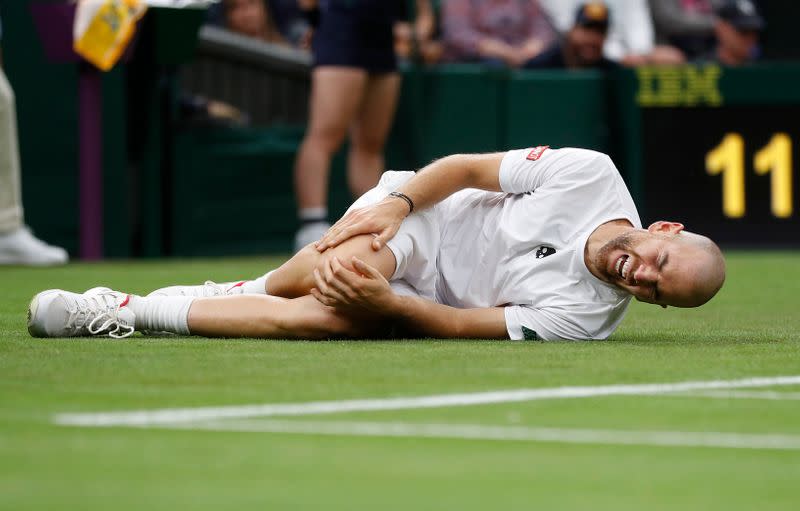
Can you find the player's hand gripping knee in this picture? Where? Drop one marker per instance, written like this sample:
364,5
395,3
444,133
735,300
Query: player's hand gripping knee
382,219
362,289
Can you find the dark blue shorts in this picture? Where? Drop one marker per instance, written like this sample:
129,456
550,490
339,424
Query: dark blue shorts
355,33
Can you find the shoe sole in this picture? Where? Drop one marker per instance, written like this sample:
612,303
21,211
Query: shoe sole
33,311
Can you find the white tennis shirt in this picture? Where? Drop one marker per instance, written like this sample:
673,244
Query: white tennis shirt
524,249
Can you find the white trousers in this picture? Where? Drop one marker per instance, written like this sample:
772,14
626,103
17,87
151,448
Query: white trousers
10,191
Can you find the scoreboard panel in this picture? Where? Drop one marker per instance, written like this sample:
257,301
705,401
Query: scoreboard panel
715,148
727,172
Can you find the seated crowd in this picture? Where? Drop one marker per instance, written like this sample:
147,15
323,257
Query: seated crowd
537,33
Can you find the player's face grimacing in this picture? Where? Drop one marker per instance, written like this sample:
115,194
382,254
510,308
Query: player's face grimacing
664,265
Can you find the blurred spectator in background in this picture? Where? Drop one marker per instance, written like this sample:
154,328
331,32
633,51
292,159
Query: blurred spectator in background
197,109
685,24
630,39
508,32
582,46
264,19
416,41
251,18
291,21
354,87
737,29
17,244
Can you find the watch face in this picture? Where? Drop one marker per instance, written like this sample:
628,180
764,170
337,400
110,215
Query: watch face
730,173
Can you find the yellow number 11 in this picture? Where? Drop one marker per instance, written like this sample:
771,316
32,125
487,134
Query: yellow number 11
776,157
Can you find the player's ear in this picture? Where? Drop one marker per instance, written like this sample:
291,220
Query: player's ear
664,227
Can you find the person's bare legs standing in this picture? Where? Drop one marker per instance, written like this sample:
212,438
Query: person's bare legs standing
369,131
336,96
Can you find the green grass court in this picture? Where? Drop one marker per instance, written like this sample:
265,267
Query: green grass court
595,453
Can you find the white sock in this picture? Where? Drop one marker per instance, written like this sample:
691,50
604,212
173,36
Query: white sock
162,313
257,286
309,215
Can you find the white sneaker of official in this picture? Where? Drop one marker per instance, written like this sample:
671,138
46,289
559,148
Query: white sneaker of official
98,311
204,291
309,233
22,247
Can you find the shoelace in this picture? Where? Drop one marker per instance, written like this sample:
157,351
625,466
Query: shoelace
120,331
102,313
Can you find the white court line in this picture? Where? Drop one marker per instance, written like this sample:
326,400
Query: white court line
505,433
175,415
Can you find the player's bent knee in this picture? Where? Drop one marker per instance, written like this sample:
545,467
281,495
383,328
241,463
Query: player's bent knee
296,277
361,247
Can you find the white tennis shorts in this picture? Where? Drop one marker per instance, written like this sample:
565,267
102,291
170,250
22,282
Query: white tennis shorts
416,244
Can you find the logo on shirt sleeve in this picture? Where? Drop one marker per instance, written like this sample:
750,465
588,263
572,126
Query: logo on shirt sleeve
544,251
530,335
537,152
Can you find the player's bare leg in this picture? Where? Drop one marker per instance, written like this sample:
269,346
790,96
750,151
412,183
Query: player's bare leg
101,311
293,278
296,276
290,312
272,317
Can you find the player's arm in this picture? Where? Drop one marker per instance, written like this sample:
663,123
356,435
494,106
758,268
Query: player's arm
431,185
425,318
365,289
430,319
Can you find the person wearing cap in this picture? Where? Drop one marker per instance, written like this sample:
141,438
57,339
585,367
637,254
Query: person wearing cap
630,40
685,25
737,29
582,46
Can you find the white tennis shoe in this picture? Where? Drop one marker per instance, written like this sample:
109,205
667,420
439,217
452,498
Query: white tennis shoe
22,247
204,291
98,311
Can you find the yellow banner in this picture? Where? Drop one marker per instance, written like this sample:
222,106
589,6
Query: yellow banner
104,28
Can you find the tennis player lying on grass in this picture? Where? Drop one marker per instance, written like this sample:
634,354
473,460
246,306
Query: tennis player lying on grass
529,244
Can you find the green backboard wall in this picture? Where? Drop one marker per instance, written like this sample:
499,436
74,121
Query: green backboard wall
556,108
